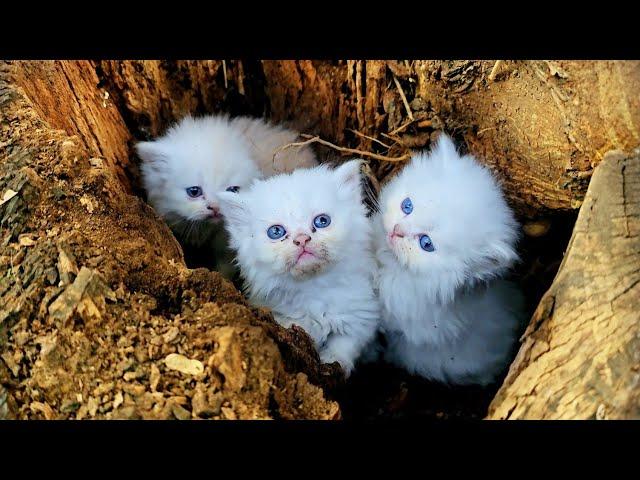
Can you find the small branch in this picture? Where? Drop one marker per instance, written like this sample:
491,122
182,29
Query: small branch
368,137
397,140
240,78
317,139
401,127
494,70
486,130
404,99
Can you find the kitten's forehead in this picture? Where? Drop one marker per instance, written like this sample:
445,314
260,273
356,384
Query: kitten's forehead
210,158
413,185
460,182
302,193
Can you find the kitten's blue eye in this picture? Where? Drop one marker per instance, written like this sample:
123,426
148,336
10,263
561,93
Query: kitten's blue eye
234,189
275,232
321,221
407,206
426,243
194,192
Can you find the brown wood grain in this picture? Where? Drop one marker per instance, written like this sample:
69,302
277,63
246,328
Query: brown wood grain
580,356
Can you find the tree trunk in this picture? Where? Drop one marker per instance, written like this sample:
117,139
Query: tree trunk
97,301
580,355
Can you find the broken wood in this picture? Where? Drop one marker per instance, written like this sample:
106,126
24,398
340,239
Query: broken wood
580,355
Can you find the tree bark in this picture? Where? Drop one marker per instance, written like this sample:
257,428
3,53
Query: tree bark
580,355
66,95
543,126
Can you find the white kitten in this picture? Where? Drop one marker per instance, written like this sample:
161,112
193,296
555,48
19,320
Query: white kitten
303,244
184,170
444,235
265,140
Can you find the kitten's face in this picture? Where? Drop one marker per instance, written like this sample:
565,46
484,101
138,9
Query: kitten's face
185,171
444,215
290,242
296,224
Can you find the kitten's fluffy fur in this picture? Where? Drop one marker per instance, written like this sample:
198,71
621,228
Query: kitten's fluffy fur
214,153
330,295
446,314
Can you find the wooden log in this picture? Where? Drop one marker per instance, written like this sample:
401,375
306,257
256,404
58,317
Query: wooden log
543,126
580,355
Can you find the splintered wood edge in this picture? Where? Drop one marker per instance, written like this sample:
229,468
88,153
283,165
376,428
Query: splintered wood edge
580,355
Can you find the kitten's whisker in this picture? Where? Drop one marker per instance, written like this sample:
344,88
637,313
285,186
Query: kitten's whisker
194,227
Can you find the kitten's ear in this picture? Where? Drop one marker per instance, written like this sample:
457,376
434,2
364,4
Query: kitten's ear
234,208
348,174
151,152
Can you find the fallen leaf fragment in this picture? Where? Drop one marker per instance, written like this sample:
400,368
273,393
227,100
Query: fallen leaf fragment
182,364
8,195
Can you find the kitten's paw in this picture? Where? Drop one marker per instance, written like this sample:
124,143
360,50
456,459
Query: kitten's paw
318,332
329,356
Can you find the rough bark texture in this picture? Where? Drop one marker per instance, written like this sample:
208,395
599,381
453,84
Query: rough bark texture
94,291
542,125
580,356
67,97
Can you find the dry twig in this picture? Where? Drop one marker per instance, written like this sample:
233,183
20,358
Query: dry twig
404,98
360,134
317,139
240,78
224,71
397,140
401,127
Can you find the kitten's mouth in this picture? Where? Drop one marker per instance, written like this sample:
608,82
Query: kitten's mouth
305,254
396,245
215,218
306,264
393,237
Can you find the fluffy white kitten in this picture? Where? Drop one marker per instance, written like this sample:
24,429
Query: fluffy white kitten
303,244
184,170
444,236
265,140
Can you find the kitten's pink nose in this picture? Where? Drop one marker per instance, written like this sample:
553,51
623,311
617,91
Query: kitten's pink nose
215,210
302,239
397,231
